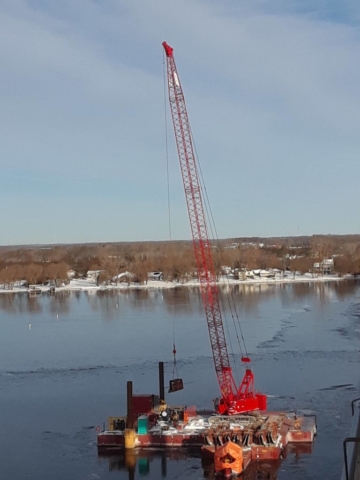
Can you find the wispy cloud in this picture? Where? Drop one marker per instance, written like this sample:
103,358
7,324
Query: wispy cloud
272,92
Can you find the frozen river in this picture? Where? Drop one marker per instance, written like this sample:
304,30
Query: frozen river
65,360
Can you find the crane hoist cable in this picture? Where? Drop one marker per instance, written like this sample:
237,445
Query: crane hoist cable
230,299
167,154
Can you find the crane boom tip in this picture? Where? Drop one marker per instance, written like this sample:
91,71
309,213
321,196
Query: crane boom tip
168,50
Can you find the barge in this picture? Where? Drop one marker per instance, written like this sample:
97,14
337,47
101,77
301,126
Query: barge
150,424
261,435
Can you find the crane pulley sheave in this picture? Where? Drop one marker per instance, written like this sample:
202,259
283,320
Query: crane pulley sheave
233,399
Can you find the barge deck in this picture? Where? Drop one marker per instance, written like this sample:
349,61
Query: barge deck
262,435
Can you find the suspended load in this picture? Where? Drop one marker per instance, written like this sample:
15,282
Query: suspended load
175,385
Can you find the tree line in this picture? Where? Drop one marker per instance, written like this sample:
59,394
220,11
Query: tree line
175,259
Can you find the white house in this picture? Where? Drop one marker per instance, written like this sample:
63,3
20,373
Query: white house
123,277
93,274
326,267
266,274
71,274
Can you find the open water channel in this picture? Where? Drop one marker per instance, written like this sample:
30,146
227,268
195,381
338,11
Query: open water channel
65,360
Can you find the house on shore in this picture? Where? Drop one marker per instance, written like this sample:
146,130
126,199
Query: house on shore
93,275
155,276
326,267
124,277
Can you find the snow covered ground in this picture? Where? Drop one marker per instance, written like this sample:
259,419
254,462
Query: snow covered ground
88,284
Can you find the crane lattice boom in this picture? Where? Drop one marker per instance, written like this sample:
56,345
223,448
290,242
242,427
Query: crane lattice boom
234,400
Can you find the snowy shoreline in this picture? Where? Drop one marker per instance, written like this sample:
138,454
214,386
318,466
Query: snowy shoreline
88,285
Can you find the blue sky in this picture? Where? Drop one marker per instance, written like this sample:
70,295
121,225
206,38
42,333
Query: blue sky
272,89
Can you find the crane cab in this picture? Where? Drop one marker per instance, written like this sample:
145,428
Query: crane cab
220,406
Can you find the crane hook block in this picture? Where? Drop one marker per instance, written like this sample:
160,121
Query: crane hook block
168,50
245,359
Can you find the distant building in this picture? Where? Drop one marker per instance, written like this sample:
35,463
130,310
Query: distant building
326,267
259,272
267,274
248,274
155,276
249,245
124,277
71,274
232,246
226,270
93,274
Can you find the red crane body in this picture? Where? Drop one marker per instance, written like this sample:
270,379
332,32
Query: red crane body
233,399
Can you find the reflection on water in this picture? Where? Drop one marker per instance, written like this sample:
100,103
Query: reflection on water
159,463
59,303
69,371
184,299
148,463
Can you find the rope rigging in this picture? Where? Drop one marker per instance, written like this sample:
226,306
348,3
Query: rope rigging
174,371
230,298
167,150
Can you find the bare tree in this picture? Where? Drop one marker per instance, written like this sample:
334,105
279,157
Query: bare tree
32,273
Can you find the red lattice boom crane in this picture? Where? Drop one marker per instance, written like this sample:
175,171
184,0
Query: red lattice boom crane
233,399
